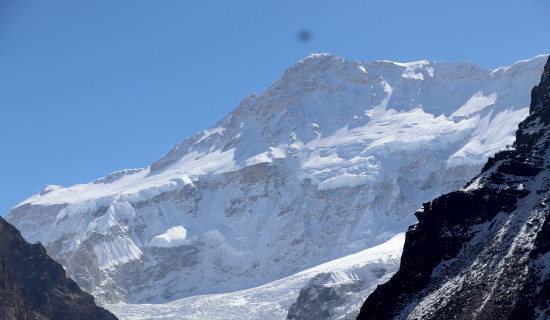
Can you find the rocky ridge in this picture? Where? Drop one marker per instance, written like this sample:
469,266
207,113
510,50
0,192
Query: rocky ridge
482,252
33,286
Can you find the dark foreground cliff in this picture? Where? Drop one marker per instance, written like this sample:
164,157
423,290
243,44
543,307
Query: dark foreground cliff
33,286
482,252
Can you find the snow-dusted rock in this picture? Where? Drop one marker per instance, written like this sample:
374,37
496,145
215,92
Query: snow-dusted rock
482,252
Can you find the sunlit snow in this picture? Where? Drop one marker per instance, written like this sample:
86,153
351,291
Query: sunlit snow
173,237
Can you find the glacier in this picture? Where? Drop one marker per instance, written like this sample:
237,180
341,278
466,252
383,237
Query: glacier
329,161
361,271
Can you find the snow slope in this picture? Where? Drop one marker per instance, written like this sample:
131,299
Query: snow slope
361,271
331,160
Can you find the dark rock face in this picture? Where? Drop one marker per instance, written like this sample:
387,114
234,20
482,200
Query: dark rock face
318,301
13,304
482,252
33,286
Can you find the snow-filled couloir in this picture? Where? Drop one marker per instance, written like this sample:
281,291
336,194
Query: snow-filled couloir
331,160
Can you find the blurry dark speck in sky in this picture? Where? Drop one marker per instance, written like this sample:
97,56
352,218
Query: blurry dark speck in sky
304,35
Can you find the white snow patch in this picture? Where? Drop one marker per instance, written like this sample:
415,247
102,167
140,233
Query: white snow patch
411,67
49,188
173,237
475,104
118,251
489,137
346,180
430,71
207,133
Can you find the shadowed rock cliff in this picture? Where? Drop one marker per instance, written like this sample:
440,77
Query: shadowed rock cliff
33,286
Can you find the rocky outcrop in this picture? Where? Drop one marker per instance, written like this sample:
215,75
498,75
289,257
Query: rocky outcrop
482,252
320,299
33,286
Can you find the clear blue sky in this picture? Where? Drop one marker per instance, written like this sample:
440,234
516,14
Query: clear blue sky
91,87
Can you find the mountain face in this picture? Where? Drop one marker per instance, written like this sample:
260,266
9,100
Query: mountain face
482,252
33,286
329,161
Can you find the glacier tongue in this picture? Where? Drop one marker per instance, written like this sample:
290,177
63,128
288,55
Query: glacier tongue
332,159
355,275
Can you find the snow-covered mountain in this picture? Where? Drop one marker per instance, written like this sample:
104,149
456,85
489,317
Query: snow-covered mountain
331,160
482,252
